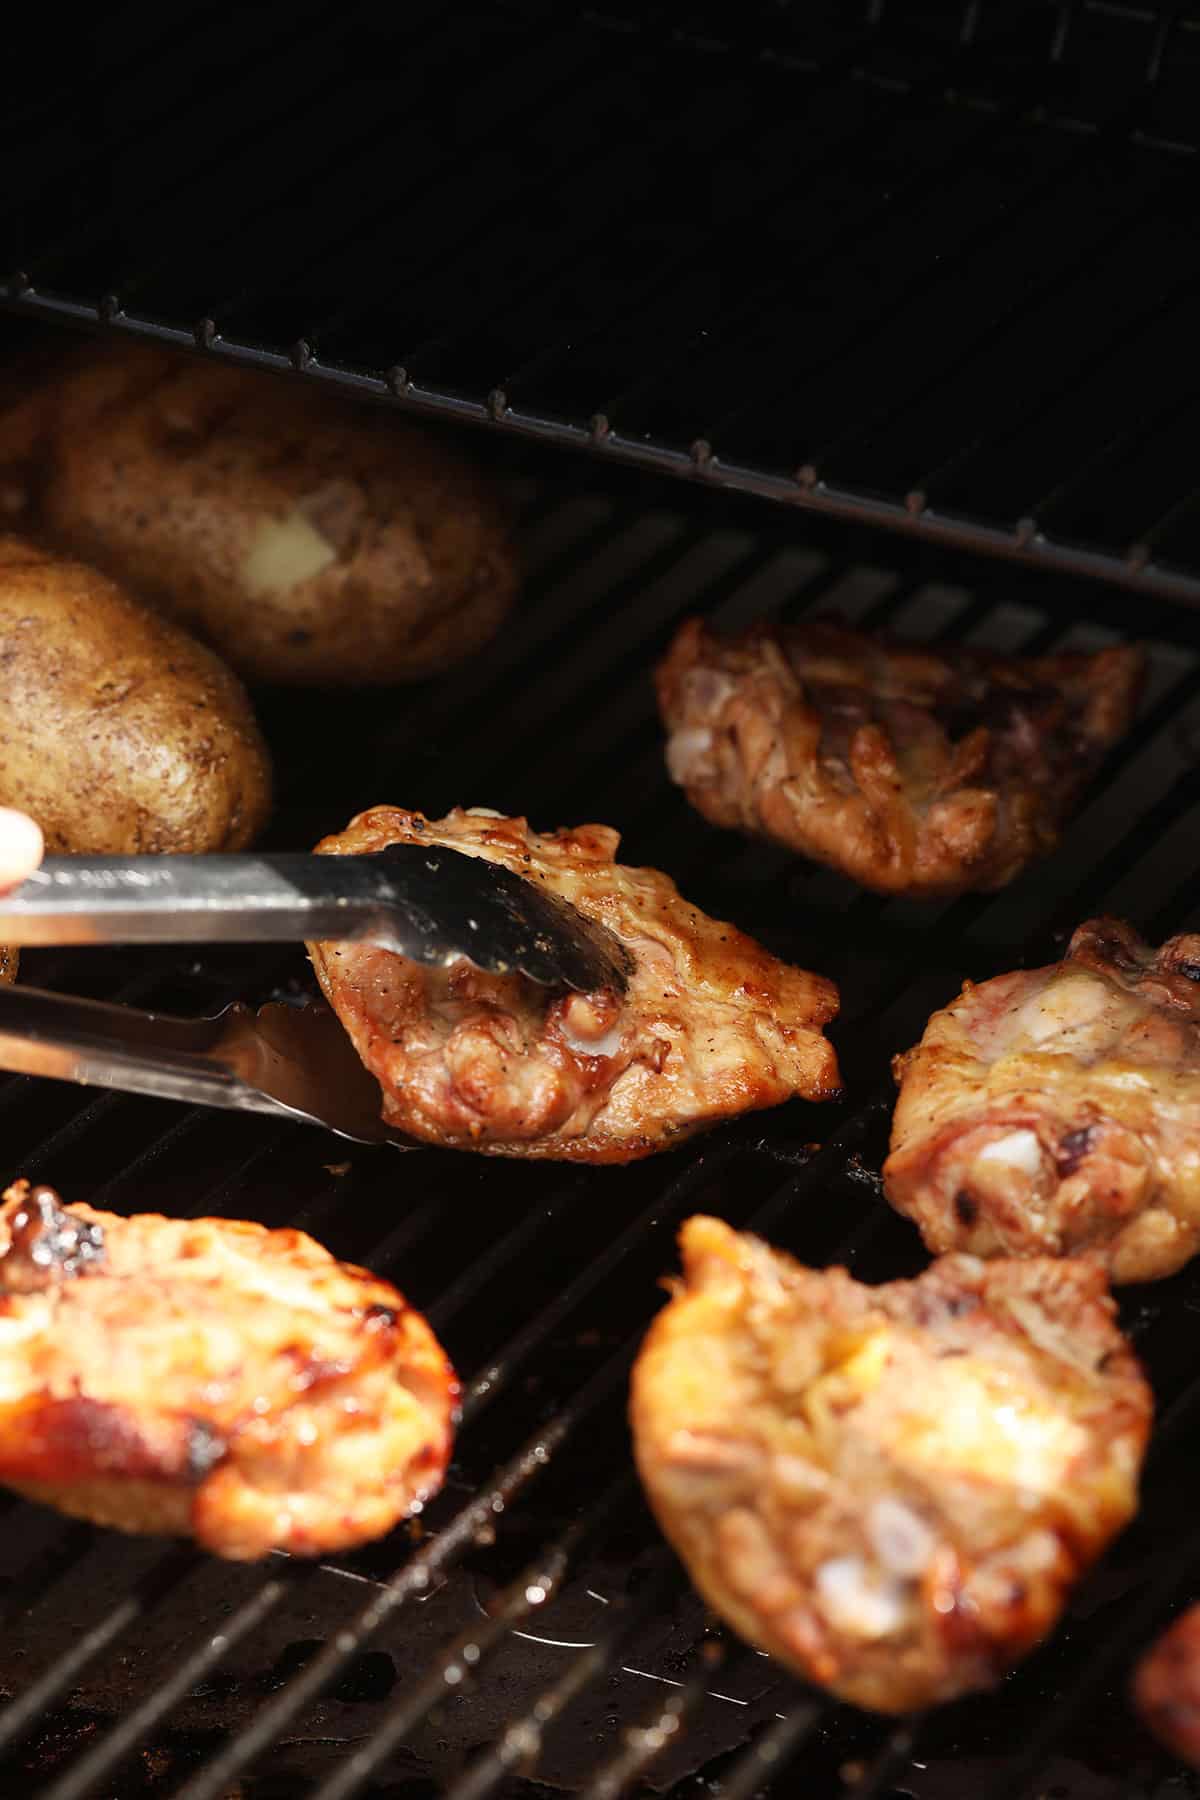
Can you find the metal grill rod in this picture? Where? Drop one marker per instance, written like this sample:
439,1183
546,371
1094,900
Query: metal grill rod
645,739
1173,412
72,1542
68,1544
521,1743
583,139
544,632
482,1392
131,1732
193,1118
342,162
645,1743
666,289
511,78
288,84
1163,814
69,1547
439,1554
642,1749
744,324
482,1270
1145,1609
888,1764
171,30
948,528
594,699
532,1589
1166,1427
773,187
978,346
1181,912
498,1371
1153,825
22,1712
1151,1605
1097,368
231,1179
80,1540
774,1750
784,1739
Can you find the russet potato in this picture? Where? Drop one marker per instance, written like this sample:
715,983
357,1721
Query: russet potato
303,540
119,733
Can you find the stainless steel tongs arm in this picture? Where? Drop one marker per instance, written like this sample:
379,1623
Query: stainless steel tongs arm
421,901
290,1062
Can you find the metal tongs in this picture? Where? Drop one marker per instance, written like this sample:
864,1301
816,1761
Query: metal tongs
431,904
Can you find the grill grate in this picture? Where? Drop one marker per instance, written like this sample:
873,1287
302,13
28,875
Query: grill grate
932,266
532,1631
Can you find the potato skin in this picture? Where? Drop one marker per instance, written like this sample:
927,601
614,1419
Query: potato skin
119,733
306,543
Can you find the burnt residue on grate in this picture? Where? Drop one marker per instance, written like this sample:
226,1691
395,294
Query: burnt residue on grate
530,1632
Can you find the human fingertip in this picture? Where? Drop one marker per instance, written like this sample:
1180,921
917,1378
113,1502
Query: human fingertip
21,846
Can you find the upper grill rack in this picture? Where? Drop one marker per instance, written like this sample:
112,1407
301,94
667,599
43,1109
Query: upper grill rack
535,1628
931,266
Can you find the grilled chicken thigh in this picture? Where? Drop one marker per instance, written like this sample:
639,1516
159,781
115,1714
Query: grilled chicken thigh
891,1489
1056,1111
711,1024
211,1378
913,771
1166,1687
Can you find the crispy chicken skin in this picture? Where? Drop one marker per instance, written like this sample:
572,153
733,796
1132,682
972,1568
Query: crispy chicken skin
712,1024
912,771
1056,1111
891,1489
1166,1687
212,1379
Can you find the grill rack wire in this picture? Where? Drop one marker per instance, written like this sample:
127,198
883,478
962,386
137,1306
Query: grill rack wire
931,266
429,1664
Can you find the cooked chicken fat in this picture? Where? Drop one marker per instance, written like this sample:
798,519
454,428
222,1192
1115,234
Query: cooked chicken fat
1056,1111
891,1489
711,1024
911,770
1166,1687
212,1379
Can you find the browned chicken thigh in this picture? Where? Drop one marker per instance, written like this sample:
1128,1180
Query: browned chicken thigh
211,1378
1056,1111
711,1025
912,771
890,1488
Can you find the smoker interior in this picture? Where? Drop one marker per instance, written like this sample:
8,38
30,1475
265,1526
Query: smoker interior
534,1608
930,263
